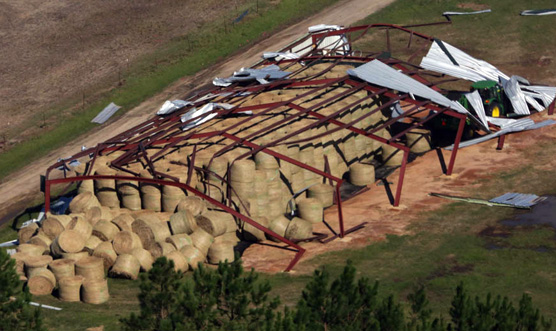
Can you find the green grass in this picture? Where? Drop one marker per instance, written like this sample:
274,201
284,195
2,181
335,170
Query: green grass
184,56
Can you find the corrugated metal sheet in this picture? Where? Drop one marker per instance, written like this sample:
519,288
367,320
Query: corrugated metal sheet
538,12
477,103
270,72
171,106
518,199
208,108
378,73
106,113
450,13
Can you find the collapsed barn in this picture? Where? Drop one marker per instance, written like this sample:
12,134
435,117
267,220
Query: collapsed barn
260,154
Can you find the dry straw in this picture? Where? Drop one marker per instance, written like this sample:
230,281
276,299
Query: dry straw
220,252
179,240
75,256
31,249
92,243
417,141
126,241
279,226
90,267
25,233
126,266
34,264
299,229
124,222
106,252
242,171
144,257
310,209
323,192
180,263
193,256
41,283
97,213
95,291
183,222
105,230
69,288
40,239
159,249
214,222
20,262
194,204
62,268
53,225
202,240
251,233
82,226
82,202
69,241
391,156
361,174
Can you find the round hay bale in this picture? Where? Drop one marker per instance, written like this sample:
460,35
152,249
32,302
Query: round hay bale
310,209
124,222
75,256
229,237
95,291
92,243
20,263
218,166
80,225
183,222
417,140
279,226
149,233
97,213
131,201
40,239
53,225
361,174
62,268
83,201
242,171
152,201
159,249
42,283
144,257
214,222
265,161
31,249
105,230
126,266
251,233
193,256
70,241
106,252
125,241
180,262
299,229
25,233
202,240
194,204
69,288
391,156
35,263
90,267
179,240
108,198
322,192
220,252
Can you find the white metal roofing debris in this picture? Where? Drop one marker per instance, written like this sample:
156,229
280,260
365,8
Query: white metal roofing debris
323,27
208,108
523,124
477,103
538,12
450,13
262,75
518,199
169,107
378,73
514,94
40,305
277,56
106,113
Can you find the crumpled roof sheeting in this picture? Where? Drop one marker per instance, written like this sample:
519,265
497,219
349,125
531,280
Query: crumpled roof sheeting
378,73
516,96
538,12
270,72
545,93
518,199
477,103
208,108
106,113
450,13
468,67
277,56
169,107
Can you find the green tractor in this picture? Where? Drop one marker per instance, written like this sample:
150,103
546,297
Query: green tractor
493,97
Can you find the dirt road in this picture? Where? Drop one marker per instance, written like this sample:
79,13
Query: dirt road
23,186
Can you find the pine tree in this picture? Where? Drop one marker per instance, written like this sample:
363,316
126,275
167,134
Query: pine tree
15,311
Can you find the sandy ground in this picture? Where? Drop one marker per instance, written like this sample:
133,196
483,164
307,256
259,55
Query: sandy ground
22,186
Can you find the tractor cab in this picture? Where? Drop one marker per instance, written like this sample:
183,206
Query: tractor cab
493,98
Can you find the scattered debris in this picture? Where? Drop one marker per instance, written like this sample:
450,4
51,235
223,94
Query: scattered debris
476,201
263,76
538,12
106,113
451,13
518,200
171,106
40,305
194,116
